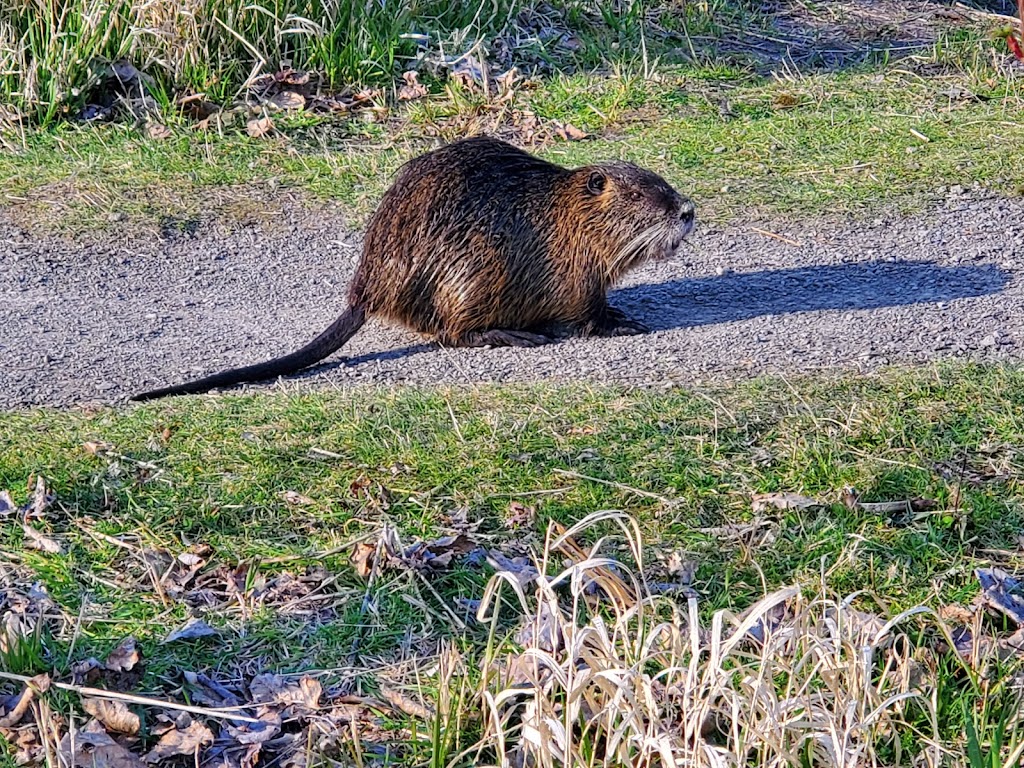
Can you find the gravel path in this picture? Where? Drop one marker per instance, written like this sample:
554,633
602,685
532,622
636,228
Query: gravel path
98,321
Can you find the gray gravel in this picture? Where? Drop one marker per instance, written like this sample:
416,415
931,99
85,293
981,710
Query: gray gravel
97,321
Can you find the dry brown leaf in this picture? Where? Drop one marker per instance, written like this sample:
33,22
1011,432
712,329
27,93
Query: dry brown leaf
403,703
124,657
519,514
259,126
360,487
209,692
362,559
288,100
761,502
185,737
438,553
35,540
297,697
86,671
192,629
114,715
157,131
413,88
294,497
254,733
569,132
292,77
41,500
786,101
94,748
13,708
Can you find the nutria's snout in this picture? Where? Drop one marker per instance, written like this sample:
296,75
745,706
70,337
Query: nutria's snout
687,215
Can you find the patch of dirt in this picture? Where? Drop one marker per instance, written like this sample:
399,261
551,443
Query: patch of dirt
97,321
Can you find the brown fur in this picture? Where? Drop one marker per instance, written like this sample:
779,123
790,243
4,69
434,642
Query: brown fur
481,243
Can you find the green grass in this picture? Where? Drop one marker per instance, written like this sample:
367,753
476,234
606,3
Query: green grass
212,470
53,57
228,459
848,143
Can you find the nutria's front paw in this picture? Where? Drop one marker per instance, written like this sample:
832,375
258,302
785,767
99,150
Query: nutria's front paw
615,322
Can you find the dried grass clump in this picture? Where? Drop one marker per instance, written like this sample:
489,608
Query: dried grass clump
611,675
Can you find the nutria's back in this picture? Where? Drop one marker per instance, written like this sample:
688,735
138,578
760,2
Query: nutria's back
479,234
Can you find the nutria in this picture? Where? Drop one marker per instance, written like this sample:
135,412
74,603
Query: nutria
480,243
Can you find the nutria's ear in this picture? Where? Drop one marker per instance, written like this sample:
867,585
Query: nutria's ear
596,182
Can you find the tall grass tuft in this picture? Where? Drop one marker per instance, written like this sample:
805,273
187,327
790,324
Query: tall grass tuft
603,673
51,50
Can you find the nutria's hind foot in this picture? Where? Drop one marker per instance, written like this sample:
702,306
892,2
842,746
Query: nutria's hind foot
499,337
615,322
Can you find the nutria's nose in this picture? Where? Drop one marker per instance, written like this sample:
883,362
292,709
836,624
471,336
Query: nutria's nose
687,211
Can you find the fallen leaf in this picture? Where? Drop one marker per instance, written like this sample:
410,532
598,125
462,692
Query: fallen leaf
36,540
157,131
209,692
41,499
519,514
1002,593
192,629
761,502
124,657
86,671
294,497
7,506
362,559
521,568
438,553
413,88
292,77
288,100
13,708
252,733
94,748
114,715
297,697
186,737
403,703
540,631
569,132
360,487
259,126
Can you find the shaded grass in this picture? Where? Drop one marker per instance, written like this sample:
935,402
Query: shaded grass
228,460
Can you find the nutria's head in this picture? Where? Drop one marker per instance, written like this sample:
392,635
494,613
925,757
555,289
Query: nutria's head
637,212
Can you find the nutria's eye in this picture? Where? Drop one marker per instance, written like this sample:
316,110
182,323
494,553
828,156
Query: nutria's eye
596,182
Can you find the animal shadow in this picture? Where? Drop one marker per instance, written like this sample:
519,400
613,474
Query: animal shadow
741,296
727,298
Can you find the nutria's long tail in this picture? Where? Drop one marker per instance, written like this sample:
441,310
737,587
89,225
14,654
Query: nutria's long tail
341,330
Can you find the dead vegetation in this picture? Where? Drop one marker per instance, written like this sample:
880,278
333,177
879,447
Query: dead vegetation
583,660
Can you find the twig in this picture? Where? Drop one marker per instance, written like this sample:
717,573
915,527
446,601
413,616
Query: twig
613,484
919,135
766,233
814,171
968,11
520,494
220,712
